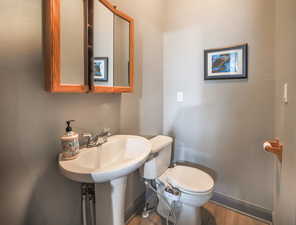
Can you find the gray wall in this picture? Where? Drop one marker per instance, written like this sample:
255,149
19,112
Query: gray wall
222,124
32,191
285,186
32,120
141,112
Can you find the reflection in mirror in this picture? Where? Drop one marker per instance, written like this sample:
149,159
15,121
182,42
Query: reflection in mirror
102,61
72,42
121,51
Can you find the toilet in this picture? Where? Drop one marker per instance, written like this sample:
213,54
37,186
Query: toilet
193,187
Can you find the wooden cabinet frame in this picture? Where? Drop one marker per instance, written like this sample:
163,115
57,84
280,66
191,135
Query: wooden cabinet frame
52,52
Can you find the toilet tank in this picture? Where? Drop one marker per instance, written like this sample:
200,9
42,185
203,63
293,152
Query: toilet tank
160,158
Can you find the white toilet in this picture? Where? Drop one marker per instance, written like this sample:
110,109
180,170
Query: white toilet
195,186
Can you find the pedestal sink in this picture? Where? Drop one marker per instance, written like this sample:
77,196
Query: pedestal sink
108,166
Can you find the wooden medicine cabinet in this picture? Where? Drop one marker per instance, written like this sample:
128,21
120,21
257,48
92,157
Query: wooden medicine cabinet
89,47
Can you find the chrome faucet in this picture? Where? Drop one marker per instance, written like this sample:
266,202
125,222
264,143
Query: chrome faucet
90,140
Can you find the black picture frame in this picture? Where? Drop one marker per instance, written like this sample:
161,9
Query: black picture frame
97,74
243,58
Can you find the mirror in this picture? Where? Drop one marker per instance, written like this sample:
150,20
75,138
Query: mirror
65,46
72,42
121,52
103,49
110,59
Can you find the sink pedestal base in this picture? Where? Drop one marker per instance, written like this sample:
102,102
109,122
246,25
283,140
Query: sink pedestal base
110,202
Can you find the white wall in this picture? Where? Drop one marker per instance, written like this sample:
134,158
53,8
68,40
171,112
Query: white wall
285,194
222,124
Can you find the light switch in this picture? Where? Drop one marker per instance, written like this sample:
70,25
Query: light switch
180,96
286,93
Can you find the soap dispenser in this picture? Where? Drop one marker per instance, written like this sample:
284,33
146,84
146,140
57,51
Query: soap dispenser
70,143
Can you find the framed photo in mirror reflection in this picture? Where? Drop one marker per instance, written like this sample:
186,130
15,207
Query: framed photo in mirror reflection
100,69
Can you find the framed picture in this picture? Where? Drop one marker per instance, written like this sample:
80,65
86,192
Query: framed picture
226,63
100,69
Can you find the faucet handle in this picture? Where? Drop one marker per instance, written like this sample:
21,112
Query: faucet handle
89,135
107,132
85,139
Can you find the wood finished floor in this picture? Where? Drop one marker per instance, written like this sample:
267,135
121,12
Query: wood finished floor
216,215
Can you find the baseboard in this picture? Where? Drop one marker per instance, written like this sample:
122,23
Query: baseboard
136,208
243,207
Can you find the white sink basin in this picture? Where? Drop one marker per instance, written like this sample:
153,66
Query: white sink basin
120,156
108,166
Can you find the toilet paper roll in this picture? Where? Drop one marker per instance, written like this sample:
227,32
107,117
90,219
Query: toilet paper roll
267,146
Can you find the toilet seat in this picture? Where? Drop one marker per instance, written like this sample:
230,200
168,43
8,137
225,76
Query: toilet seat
188,179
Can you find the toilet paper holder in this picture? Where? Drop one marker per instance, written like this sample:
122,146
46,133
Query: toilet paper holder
274,147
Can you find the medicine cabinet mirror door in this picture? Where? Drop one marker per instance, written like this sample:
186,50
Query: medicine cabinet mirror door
65,46
111,48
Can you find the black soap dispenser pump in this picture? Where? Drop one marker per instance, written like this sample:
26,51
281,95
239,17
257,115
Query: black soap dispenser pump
70,142
69,128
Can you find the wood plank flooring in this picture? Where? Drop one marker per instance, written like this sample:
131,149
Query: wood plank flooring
212,213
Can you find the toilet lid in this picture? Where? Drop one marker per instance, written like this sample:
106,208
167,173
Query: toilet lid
188,179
